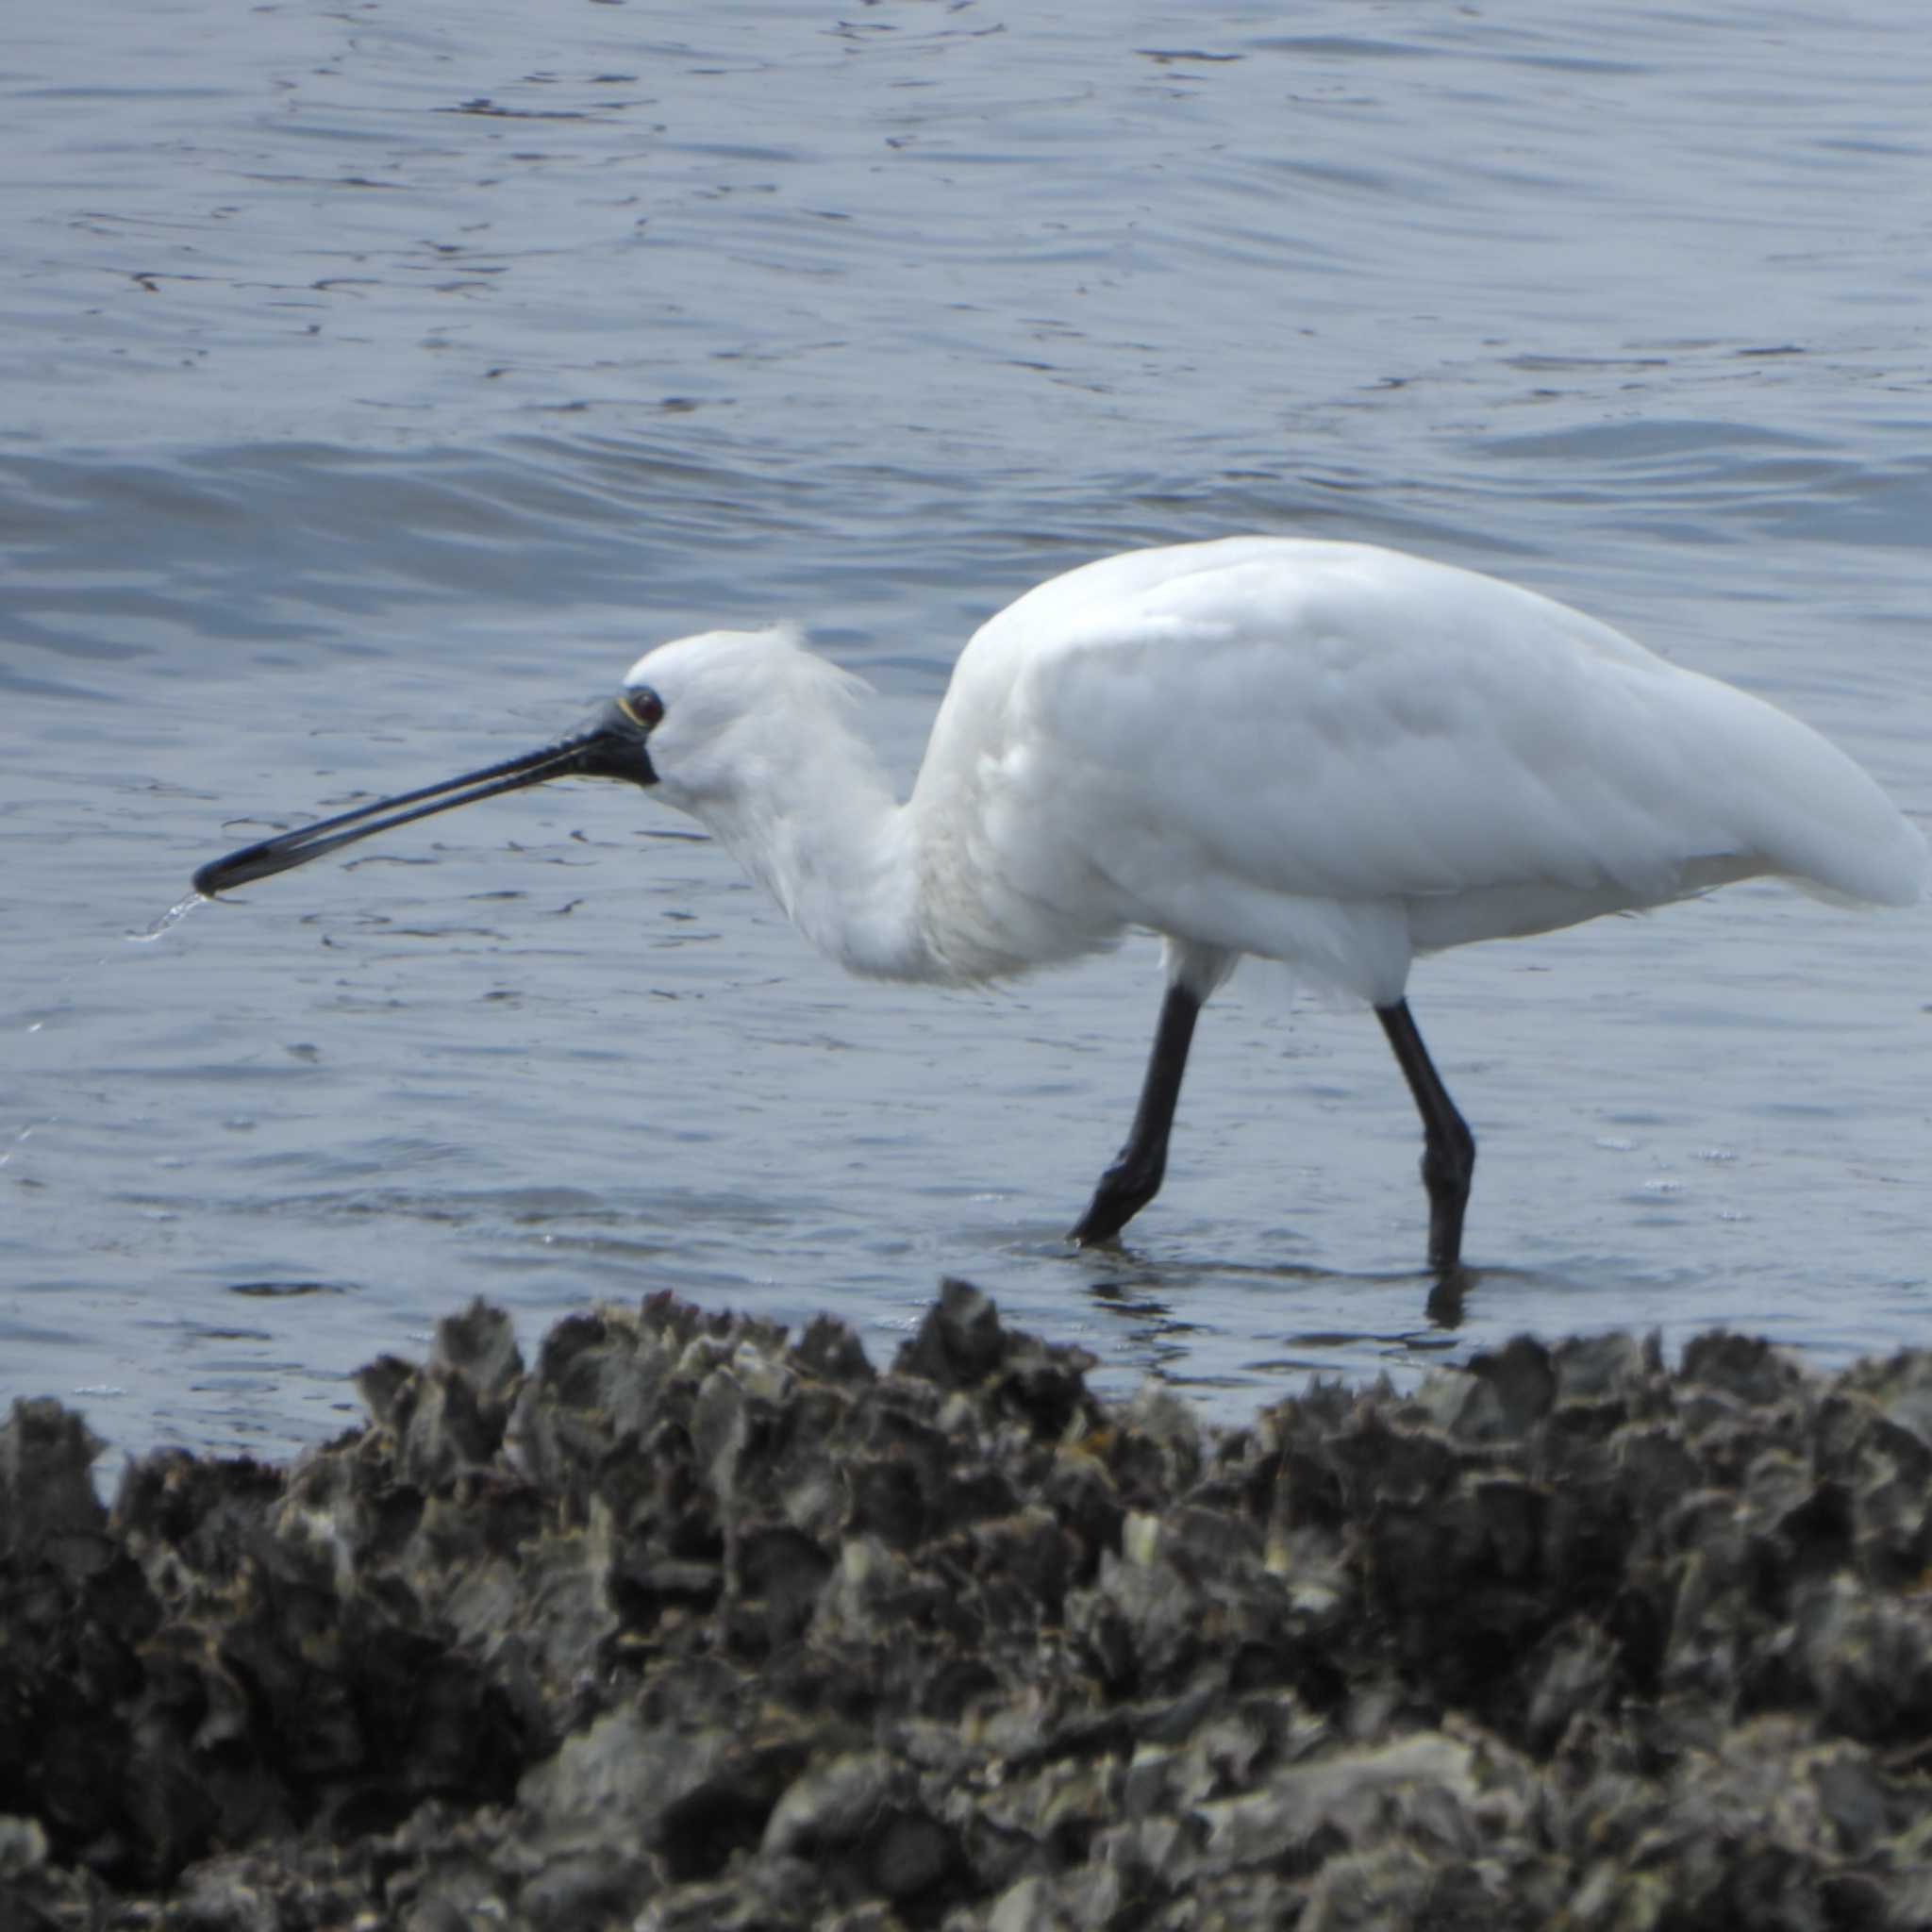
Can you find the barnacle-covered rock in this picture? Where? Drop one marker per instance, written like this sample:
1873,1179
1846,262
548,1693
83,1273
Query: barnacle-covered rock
688,1625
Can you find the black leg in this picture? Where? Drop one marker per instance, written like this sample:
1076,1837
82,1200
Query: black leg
1448,1146
1134,1178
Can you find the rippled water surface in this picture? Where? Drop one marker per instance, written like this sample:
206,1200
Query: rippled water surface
379,381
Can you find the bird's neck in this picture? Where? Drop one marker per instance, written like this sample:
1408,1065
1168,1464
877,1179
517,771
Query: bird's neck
827,840
890,890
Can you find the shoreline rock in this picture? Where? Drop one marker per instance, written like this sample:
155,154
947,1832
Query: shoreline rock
691,1625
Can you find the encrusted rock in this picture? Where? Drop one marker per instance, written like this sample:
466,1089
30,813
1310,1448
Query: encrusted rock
685,1627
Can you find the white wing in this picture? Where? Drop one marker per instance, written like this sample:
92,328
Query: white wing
1339,723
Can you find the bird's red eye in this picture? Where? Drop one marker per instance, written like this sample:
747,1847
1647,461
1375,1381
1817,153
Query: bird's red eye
643,705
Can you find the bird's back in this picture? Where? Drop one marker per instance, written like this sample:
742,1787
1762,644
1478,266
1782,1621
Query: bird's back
1342,755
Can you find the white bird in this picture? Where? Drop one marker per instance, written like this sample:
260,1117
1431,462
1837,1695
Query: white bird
1327,754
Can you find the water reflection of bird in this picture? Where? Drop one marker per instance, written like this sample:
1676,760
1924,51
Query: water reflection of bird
1328,754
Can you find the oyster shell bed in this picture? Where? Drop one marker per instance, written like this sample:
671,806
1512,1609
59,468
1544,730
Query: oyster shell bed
687,1628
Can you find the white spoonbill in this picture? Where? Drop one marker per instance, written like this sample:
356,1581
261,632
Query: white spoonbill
1329,754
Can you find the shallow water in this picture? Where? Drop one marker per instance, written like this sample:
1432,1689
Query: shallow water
377,384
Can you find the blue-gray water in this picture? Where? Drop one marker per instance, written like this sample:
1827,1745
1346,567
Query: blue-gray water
378,382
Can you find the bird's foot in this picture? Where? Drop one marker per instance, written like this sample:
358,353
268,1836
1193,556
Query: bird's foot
1446,1294
1125,1189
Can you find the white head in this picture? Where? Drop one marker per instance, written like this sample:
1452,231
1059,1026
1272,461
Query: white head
729,715
751,734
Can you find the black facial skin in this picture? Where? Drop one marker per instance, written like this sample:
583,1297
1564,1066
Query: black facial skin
612,747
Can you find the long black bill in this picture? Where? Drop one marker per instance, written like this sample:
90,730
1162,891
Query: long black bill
612,748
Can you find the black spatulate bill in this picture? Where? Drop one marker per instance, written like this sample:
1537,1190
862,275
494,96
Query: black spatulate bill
613,747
